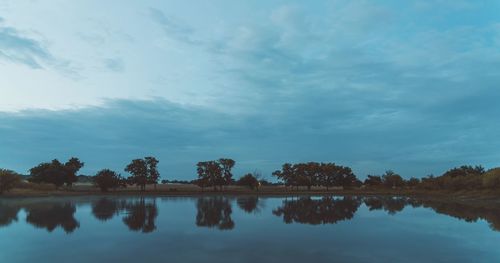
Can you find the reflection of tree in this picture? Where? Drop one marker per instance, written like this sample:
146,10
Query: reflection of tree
327,210
104,208
249,204
141,216
214,212
387,203
8,214
51,216
470,212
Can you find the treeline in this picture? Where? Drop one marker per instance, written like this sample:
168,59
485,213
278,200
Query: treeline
317,174
142,172
218,174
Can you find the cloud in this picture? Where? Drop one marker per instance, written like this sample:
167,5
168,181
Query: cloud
172,28
373,86
18,48
114,64
369,139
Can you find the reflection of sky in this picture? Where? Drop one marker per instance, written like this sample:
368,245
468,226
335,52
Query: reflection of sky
406,85
413,235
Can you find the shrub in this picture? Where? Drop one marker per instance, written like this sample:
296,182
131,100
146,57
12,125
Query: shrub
491,179
8,180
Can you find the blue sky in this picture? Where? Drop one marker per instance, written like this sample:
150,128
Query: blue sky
405,85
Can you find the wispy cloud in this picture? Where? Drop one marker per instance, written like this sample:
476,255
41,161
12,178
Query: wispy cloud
114,64
18,48
178,31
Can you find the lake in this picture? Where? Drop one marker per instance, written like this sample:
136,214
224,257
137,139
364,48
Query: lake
247,229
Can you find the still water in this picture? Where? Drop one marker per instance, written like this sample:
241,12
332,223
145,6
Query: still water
247,229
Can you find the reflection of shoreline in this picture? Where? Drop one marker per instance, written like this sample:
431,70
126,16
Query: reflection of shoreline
328,210
140,213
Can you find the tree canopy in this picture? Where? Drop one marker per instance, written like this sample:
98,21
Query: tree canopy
56,173
215,173
143,172
8,180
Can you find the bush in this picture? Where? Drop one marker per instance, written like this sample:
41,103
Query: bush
8,180
491,179
106,179
248,180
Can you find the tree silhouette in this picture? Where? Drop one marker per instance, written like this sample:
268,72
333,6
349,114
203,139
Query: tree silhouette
226,165
153,175
313,173
56,173
248,180
106,179
72,166
138,168
210,173
8,180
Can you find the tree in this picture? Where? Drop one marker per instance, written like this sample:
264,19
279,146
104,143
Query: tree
72,166
106,179
313,173
8,180
373,180
249,180
465,170
491,179
153,174
53,173
392,179
412,182
138,168
345,177
215,173
56,173
226,166
287,175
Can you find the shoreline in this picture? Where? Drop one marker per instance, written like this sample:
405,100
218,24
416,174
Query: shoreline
269,192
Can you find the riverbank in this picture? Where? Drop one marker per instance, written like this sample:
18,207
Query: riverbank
192,190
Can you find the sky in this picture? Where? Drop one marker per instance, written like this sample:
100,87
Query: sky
411,86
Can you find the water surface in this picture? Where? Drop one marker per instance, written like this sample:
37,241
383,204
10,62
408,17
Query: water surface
247,229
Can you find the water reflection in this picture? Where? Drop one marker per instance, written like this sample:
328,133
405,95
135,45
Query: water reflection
387,203
327,210
214,212
250,204
8,214
53,215
141,214
105,209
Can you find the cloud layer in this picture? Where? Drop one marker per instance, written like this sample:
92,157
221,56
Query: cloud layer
410,86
